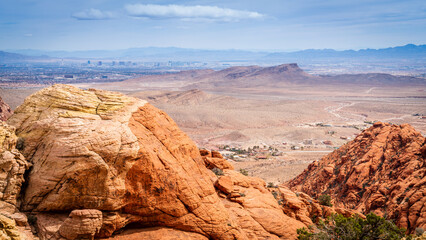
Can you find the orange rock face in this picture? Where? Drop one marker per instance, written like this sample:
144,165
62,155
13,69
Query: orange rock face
214,159
300,206
5,111
98,152
254,208
383,170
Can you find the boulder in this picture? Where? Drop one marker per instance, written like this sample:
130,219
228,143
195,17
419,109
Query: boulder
214,159
102,150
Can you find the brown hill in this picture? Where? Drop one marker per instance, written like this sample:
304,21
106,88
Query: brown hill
189,97
5,110
383,170
255,76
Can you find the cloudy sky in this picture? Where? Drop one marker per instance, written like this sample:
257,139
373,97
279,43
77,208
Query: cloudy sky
211,24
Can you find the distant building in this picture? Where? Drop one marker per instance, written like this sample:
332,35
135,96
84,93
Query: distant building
100,63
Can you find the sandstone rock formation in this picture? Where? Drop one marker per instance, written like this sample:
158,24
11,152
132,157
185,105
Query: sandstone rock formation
12,165
383,170
214,159
13,224
157,233
82,224
5,111
300,206
254,208
119,155
8,229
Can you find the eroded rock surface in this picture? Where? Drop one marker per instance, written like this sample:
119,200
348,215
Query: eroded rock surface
254,208
12,166
84,223
382,170
123,157
214,159
5,111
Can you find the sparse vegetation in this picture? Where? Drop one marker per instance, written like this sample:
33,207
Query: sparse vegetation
419,231
275,194
352,228
325,200
244,171
217,171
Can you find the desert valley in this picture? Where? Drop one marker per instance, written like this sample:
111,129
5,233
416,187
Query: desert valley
278,127
212,120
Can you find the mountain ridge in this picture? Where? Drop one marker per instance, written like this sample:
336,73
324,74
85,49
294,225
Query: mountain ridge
176,53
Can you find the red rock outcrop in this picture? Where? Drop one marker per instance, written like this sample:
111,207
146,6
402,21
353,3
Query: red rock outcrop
383,170
254,208
214,159
5,111
300,206
120,155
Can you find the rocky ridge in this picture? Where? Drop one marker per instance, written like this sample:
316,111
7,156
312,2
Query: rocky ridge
383,170
101,161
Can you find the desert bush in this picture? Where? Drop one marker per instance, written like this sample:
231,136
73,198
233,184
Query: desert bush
244,171
325,200
217,171
353,228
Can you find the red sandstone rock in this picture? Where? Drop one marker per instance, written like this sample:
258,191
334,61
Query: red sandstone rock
5,111
157,233
383,170
119,155
103,150
254,208
215,160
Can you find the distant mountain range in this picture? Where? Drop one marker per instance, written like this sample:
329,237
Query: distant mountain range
255,77
409,51
9,57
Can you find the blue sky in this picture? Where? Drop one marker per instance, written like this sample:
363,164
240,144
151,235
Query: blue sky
208,24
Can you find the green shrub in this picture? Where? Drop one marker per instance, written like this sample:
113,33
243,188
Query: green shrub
325,200
244,171
353,228
217,171
419,231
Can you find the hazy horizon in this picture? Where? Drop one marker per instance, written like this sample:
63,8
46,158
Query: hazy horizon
207,49
271,25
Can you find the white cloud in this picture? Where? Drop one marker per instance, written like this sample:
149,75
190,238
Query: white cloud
189,12
93,14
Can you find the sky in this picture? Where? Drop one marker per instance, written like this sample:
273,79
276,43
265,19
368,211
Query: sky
272,25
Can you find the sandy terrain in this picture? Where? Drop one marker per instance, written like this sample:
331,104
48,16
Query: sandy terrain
311,120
